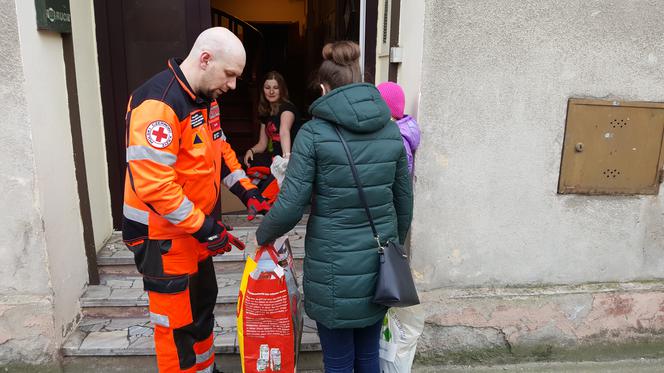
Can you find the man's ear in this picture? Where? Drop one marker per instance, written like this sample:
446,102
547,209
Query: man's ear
205,59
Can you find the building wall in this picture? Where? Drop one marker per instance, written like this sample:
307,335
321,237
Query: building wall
26,309
47,112
92,125
496,77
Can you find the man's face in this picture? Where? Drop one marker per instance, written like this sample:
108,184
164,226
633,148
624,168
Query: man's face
221,75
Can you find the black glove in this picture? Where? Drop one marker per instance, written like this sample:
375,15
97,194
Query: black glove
215,235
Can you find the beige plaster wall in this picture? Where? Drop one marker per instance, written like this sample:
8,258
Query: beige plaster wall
26,299
496,78
48,114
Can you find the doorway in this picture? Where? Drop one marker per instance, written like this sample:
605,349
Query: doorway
134,43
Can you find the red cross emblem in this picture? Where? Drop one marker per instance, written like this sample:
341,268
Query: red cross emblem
159,134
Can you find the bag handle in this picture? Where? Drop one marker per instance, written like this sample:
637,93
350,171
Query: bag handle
360,190
270,250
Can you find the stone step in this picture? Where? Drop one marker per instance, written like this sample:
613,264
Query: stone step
115,259
134,337
222,265
235,267
222,309
124,296
308,362
240,220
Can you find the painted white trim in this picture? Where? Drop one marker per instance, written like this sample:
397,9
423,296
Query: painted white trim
411,39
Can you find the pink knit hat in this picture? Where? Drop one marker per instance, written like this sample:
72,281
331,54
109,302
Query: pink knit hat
394,98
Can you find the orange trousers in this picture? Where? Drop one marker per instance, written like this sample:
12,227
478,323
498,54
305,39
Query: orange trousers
179,277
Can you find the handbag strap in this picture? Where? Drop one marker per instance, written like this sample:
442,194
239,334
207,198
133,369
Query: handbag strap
360,190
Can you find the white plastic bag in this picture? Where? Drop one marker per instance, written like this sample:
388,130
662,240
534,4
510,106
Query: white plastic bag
402,328
278,169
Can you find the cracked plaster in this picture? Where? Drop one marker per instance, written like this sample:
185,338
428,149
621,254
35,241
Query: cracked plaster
505,323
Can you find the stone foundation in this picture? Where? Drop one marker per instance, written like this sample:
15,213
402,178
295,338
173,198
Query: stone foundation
502,325
27,330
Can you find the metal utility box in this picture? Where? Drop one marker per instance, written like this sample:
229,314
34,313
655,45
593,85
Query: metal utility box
612,147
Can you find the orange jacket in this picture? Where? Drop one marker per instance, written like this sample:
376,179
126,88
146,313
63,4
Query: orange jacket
176,155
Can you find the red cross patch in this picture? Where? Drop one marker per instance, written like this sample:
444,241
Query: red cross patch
159,134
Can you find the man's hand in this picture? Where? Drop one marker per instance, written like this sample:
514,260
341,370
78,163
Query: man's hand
216,237
257,205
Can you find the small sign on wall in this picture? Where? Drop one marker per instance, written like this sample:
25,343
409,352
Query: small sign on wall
53,15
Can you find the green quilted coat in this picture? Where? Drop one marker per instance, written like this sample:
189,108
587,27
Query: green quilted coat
341,257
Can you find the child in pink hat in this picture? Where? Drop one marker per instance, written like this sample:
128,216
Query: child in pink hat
410,130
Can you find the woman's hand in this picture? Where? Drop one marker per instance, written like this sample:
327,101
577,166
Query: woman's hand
249,155
258,148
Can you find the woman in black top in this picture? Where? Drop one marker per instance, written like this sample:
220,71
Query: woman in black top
278,116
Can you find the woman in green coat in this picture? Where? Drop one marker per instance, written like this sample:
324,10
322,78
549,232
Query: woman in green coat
341,257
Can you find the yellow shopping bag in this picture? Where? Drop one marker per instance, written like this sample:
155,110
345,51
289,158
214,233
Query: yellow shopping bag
249,267
269,311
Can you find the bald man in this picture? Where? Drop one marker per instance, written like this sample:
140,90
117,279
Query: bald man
176,156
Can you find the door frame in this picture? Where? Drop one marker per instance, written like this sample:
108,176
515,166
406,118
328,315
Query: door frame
368,16
395,19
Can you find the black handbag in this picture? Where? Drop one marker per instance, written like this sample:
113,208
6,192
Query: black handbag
395,286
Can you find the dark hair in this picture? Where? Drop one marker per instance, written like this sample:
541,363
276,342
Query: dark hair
264,108
340,64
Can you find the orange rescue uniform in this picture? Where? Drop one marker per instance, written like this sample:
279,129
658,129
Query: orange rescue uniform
176,155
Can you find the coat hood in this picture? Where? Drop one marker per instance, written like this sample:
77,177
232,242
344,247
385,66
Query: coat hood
356,107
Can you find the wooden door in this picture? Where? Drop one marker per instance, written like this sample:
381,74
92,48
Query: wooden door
135,39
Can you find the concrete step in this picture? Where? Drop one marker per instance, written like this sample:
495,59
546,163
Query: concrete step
115,314
120,292
134,337
115,259
308,362
240,220
222,309
124,296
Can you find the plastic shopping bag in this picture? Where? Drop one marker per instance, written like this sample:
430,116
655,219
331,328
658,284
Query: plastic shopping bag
269,311
278,168
398,339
